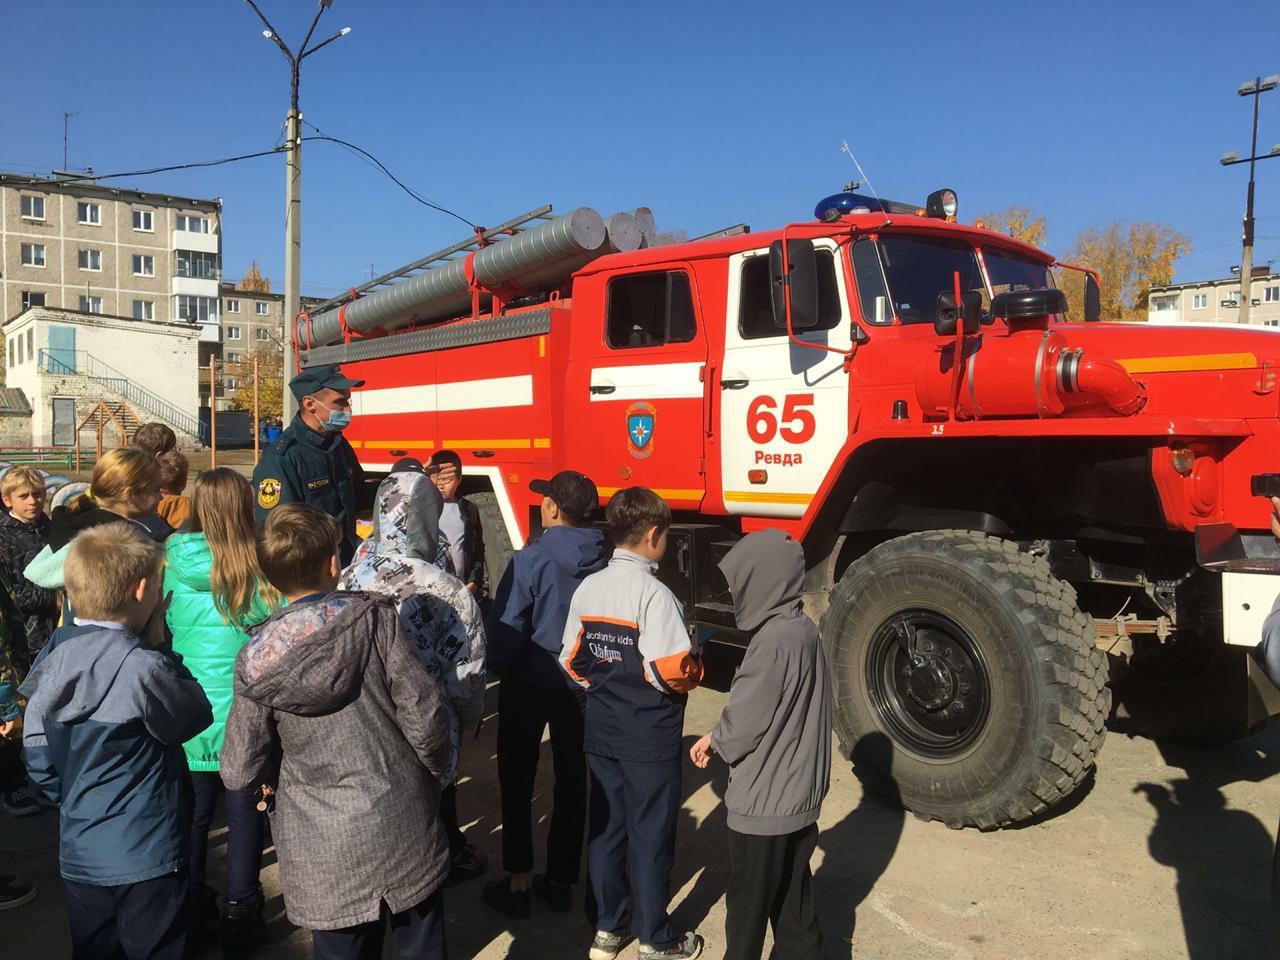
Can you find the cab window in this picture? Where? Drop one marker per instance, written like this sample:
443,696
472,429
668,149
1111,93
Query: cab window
649,310
755,303
873,295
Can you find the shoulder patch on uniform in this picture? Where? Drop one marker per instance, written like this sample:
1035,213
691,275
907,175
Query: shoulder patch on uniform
268,493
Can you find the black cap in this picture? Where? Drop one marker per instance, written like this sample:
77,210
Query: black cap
573,492
407,465
317,378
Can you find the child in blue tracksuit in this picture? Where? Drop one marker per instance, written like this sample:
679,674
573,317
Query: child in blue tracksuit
107,714
626,644
524,634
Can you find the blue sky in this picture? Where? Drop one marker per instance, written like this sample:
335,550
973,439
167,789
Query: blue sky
712,112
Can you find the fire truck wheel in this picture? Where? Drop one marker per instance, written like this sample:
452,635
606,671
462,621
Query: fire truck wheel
497,543
966,682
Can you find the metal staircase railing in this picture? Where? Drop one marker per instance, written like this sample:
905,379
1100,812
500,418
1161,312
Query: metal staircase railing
83,364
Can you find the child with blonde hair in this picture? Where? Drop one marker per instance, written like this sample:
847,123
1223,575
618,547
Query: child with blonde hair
218,591
24,531
106,715
125,487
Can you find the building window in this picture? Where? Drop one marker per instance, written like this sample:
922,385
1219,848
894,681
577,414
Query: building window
142,221
31,298
19,341
144,265
144,310
230,383
90,260
192,263
11,363
233,333
648,310
192,224
33,254
1199,301
90,213
198,309
233,306
1271,295
1164,303
31,335
1271,323
233,357
33,208
262,334
261,308
90,304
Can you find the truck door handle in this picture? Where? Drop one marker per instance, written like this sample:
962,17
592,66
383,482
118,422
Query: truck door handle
603,388
733,384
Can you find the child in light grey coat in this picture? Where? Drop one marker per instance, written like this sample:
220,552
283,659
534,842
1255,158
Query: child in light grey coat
775,734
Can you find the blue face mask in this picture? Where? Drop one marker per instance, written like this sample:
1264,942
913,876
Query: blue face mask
338,421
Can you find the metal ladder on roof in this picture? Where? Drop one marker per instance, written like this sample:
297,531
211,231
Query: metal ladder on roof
483,237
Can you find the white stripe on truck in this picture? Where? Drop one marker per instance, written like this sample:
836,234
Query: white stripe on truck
434,397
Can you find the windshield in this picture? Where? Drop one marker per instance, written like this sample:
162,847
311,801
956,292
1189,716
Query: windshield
1008,272
917,269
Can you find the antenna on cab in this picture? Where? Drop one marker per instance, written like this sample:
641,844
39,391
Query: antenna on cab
844,148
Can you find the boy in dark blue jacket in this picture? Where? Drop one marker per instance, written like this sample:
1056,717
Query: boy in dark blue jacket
524,636
106,717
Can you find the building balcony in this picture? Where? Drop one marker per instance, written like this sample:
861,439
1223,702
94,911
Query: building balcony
196,271
195,287
199,242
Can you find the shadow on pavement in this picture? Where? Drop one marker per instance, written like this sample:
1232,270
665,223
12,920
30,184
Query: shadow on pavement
1222,857
858,849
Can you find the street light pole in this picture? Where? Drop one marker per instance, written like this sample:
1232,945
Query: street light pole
1255,88
293,192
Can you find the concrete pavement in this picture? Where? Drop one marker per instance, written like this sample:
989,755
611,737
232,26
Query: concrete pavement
1166,855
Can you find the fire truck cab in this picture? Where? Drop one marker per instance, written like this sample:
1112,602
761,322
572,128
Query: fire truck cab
1001,510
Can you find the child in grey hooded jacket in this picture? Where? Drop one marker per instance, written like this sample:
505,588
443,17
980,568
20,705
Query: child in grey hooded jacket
775,734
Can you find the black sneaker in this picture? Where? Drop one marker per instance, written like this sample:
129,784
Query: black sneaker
242,920
14,891
508,902
608,945
559,896
466,864
20,802
687,949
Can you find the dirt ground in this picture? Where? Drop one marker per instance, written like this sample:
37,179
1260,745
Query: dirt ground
1165,854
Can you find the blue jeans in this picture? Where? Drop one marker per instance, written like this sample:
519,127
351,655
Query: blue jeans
244,834
631,846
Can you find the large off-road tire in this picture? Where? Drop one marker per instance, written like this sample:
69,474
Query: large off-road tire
497,542
999,710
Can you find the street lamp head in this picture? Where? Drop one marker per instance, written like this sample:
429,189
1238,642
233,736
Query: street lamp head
268,34
1271,82
344,31
326,4
1275,150
1247,88
1229,158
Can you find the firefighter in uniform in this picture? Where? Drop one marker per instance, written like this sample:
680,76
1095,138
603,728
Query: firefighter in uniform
311,462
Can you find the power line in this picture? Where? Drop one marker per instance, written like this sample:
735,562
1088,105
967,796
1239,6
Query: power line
76,177
394,179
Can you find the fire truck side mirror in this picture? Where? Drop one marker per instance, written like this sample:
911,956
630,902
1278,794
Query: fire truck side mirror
801,284
1092,299
944,313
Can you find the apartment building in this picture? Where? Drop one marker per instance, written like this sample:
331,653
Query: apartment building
98,249
1217,301
251,321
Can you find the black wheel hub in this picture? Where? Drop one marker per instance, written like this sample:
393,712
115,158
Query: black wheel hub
929,682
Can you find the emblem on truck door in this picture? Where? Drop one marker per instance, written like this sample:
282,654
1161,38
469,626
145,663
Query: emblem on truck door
641,418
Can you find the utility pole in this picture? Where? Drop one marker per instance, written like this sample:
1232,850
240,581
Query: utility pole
293,191
1254,88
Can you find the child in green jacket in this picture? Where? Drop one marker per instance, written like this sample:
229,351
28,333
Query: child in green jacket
218,590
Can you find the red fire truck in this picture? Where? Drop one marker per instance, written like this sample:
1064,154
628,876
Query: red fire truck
1002,511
